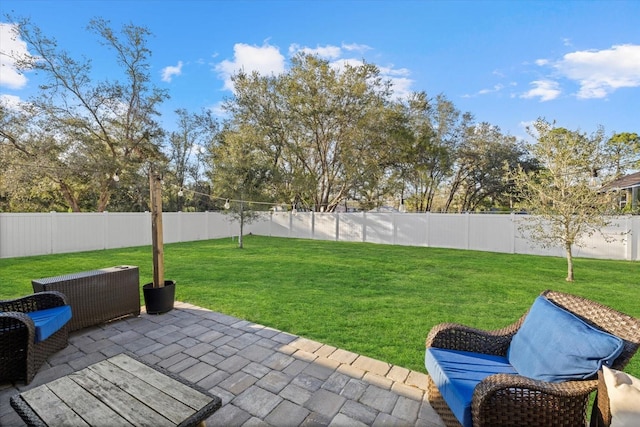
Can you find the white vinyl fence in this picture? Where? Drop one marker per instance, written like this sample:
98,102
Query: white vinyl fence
48,233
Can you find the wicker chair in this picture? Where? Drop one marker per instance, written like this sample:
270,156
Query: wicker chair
514,400
601,414
20,355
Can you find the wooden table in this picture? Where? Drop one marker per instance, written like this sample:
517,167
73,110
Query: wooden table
120,391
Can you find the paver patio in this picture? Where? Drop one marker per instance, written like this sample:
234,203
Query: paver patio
263,376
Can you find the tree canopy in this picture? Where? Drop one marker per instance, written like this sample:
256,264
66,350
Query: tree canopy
78,133
563,194
320,136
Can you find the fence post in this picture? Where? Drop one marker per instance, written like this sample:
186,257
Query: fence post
512,217
290,222
427,236
207,214
394,233
364,227
467,227
105,229
632,239
337,226
636,237
52,230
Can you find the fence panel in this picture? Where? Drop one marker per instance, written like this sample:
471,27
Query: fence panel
492,233
124,230
411,229
26,234
325,226
610,243
350,227
77,232
219,225
276,224
301,225
379,228
448,231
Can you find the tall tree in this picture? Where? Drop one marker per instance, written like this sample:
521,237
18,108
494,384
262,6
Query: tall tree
318,123
565,204
185,146
483,159
425,156
82,133
624,151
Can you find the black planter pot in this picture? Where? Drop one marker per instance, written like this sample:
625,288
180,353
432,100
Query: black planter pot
159,300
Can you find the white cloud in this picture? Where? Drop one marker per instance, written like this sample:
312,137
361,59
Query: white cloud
499,87
401,87
329,52
601,72
351,47
10,47
218,110
390,71
11,102
527,125
169,72
326,52
546,90
342,63
495,88
400,81
267,59
264,59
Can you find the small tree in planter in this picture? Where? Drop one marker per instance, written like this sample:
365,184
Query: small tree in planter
160,294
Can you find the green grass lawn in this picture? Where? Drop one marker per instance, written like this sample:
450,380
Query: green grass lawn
376,300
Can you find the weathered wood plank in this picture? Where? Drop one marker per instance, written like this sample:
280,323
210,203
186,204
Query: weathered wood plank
120,391
51,409
172,387
125,404
155,397
93,411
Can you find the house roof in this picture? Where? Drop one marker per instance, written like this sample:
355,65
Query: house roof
623,183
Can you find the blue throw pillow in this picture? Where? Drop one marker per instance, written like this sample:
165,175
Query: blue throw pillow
555,345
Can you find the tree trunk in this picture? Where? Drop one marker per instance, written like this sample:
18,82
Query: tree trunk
569,263
105,196
67,193
240,243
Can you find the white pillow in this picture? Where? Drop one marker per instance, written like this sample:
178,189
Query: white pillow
624,398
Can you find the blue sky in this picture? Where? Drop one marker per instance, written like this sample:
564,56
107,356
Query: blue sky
506,62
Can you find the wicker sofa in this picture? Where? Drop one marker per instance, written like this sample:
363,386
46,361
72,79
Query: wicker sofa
512,399
22,351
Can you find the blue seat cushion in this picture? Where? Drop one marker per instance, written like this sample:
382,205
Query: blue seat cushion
456,374
49,321
555,345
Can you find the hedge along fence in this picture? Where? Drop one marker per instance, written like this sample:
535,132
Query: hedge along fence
25,234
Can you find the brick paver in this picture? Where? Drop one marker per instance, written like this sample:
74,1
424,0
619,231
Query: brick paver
263,376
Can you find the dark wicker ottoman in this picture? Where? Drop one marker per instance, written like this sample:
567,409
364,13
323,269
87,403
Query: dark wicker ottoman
97,296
